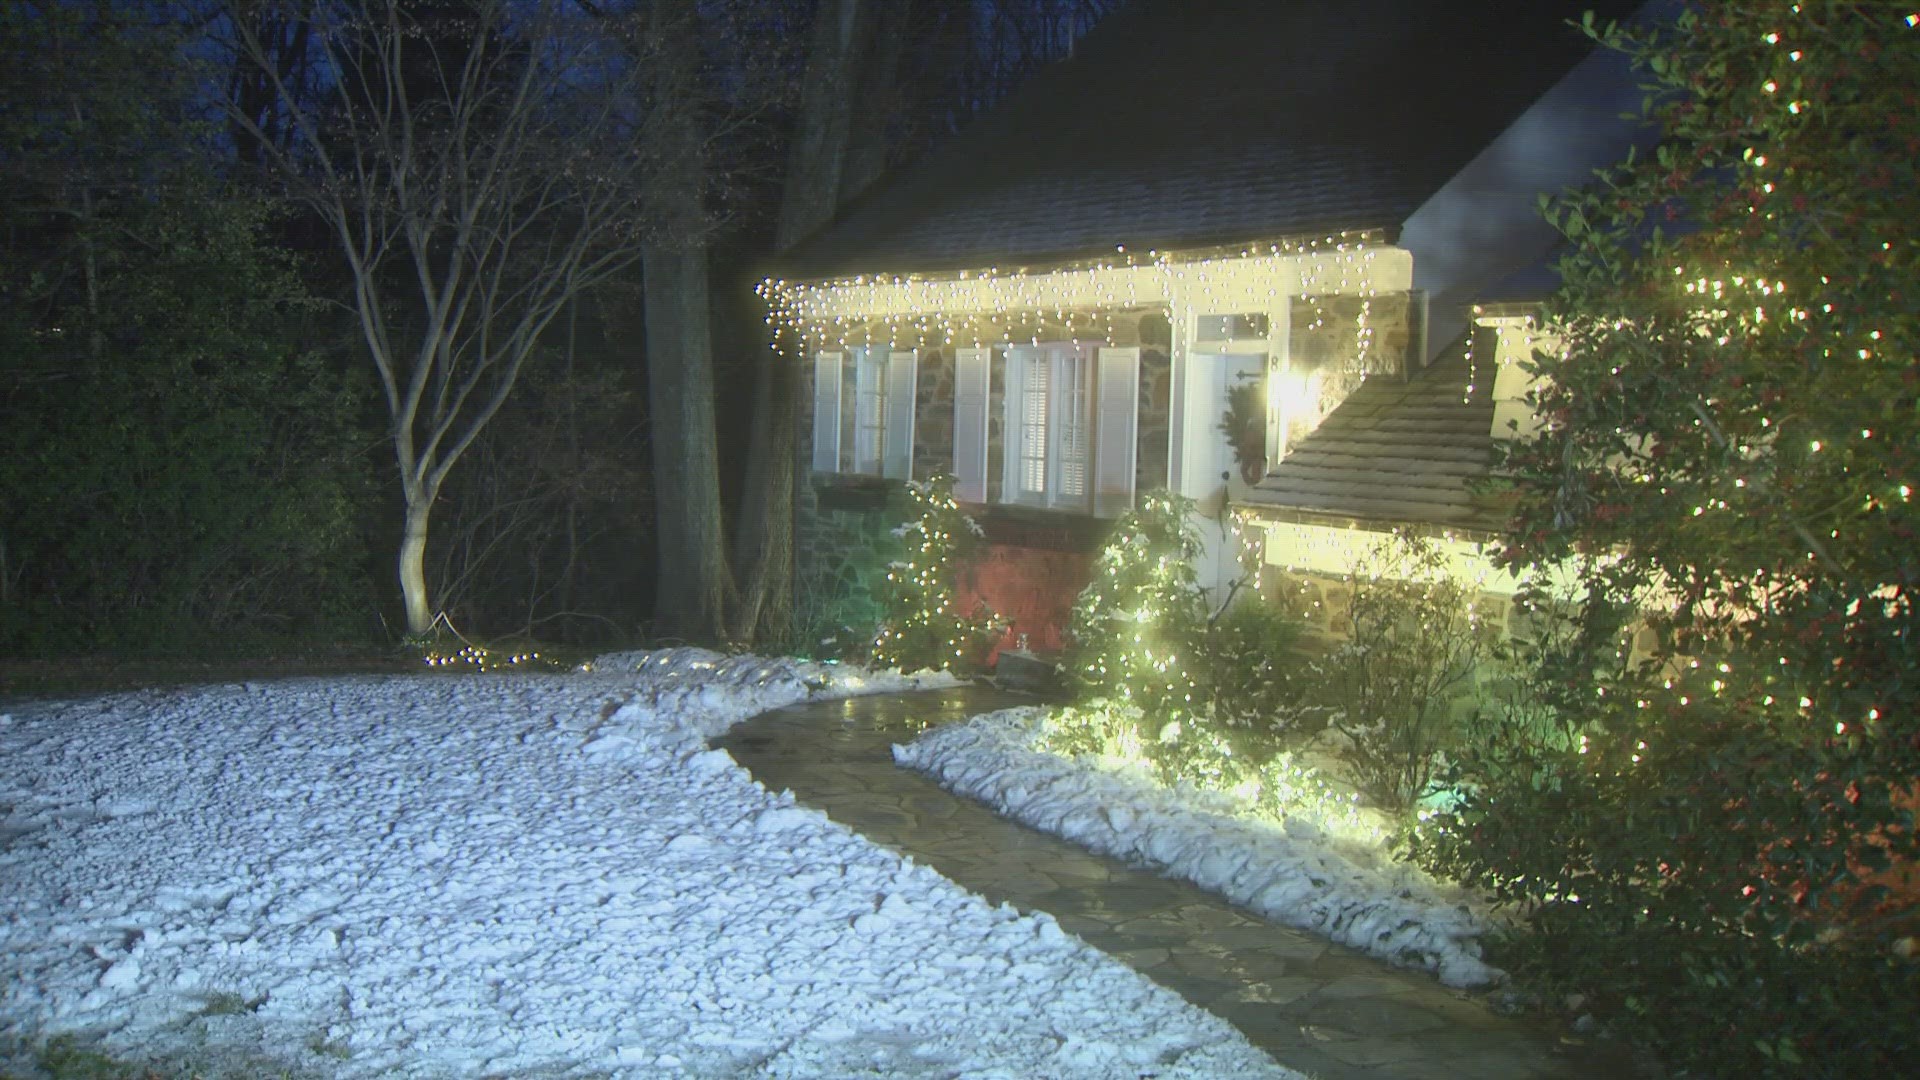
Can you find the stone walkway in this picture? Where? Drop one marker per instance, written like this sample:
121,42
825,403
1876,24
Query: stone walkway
1318,1007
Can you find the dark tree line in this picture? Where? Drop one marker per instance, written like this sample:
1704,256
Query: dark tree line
526,216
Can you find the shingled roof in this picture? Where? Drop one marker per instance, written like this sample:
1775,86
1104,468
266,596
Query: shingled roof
1190,123
1397,452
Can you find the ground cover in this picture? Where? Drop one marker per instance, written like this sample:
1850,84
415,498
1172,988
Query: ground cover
512,874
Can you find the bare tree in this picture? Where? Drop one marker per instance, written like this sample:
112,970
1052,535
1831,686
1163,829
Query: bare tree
479,164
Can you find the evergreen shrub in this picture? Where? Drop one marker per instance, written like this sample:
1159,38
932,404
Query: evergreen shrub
925,624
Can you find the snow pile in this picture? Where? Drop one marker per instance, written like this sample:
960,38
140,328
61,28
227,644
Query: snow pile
708,692
1297,876
510,875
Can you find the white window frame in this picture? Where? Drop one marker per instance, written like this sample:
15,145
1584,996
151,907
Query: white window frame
863,411
1049,419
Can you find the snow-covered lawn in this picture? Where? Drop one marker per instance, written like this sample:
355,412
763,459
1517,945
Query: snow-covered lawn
1298,874
514,875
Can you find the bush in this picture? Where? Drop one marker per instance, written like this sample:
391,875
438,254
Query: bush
1202,698
925,626
1679,868
1396,685
1689,868
1135,627
1727,411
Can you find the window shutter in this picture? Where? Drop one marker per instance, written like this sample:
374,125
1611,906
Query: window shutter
1118,412
901,373
826,411
972,390
1071,427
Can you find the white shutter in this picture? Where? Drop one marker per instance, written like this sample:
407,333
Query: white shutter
1118,412
901,372
972,391
826,411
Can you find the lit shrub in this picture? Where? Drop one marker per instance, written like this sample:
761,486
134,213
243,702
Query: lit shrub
1208,696
925,626
1248,667
1134,628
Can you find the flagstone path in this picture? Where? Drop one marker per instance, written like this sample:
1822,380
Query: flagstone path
1318,1007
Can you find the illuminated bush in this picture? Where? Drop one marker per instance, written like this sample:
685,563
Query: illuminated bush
1201,698
1135,626
1730,406
925,626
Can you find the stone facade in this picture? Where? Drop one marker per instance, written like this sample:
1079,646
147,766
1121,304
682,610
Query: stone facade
1030,571
1343,339
1319,602
933,414
843,541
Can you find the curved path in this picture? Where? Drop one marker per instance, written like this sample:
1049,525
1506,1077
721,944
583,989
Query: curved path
1315,1006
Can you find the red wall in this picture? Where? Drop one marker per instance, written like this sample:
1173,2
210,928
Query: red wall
1031,588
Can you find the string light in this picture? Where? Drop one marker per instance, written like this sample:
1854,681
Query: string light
995,305
927,627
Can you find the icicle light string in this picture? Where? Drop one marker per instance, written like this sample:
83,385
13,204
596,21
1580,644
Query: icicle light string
1007,307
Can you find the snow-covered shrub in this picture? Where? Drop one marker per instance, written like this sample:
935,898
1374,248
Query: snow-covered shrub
1198,697
1249,671
1288,788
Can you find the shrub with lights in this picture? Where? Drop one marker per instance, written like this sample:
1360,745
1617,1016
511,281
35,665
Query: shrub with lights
925,625
1200,696
1136,626
1730,427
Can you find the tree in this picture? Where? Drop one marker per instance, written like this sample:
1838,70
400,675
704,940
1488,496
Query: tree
479,164
832,149
176,467
536,530
1730,431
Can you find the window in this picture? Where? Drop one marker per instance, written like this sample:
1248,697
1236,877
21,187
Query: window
1068,426
1050,414
863,402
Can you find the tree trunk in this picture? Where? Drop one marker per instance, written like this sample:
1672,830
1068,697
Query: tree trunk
763,544
692,580
413,556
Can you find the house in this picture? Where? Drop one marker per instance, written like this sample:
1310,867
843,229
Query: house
1261,253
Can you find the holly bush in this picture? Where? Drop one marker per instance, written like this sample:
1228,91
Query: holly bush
1721,846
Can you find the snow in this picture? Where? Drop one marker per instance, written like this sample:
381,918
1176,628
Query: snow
1295,874
515,875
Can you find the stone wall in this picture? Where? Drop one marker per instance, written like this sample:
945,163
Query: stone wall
933,414
1319,602
841,554
1352,334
